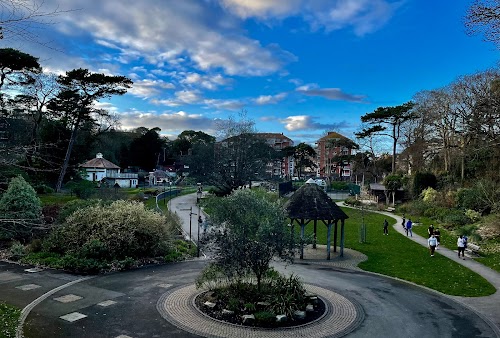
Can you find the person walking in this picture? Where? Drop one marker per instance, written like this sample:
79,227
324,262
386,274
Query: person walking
461,247
404,222
432,243
409,226
386,227
437,234
430,230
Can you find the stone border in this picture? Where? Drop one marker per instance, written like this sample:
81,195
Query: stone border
342,317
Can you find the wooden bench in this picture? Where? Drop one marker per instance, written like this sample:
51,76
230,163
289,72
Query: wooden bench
390,209
473,248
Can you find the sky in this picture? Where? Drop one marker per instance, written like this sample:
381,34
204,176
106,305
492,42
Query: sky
297,67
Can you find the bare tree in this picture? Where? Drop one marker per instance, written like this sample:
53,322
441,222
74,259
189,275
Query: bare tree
483,16
20,19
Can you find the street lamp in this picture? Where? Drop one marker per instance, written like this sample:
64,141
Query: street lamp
199,193
164,197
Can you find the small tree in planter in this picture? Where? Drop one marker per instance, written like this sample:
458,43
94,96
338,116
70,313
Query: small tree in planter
248,232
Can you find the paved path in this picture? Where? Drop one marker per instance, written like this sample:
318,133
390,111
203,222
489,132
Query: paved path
127,304
488,306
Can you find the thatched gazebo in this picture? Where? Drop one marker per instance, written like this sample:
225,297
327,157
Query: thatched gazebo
311,203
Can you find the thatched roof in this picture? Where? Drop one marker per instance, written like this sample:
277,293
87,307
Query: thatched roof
311,202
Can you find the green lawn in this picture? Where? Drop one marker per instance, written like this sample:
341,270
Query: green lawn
397,256
9,317
56,198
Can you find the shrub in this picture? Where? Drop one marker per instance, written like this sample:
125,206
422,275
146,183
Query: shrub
19,202
75,205
233,304
456,218
250,307
35,245
43,189
83,189
265,317
116,231
473,215
429,195
336,185
352,202
17,251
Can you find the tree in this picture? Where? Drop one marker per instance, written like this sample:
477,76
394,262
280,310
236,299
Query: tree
20,18
392,183
14,69
76,103
483,16
146,149
21,210
303,154
387,117
248,232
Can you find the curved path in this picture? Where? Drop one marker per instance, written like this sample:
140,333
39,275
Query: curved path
128,304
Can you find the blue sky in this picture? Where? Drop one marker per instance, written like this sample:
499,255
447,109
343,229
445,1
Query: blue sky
298,67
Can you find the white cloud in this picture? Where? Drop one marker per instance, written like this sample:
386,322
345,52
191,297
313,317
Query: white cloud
182,97
163,33
224,104
306,122
364,16
169,122
148,88
270,99
210,82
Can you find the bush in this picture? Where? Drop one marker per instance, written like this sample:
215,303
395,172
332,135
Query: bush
265,317
473,215
116,231
456,218
429,195
75,205
82,189
17,251
336,185
352,202
43,189
422,181
19,202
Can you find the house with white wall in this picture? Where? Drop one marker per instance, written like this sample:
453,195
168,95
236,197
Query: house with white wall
99,169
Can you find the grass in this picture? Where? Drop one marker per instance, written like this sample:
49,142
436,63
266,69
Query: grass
9,317
56,198
397,256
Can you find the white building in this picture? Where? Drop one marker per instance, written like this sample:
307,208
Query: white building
99,169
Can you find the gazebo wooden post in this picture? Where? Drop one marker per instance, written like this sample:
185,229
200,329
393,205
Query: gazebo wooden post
328,240
342,238
315,236
335,236
302,226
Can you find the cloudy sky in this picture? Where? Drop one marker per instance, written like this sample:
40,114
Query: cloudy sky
298,67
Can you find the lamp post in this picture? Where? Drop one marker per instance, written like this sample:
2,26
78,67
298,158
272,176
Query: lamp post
190,218
170,196
199,193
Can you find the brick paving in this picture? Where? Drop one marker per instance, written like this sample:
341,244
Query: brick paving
341,317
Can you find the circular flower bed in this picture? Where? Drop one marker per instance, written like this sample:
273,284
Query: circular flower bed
260,313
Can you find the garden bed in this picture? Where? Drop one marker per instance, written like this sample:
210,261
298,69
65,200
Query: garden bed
264,317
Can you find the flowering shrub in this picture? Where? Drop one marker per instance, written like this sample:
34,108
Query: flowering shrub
429,195
116,231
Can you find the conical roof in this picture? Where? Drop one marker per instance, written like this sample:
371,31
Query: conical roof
99,162
311,202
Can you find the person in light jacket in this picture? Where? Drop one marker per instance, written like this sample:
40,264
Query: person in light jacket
432,242
461,246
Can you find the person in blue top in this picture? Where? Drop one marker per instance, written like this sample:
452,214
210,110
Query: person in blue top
409,225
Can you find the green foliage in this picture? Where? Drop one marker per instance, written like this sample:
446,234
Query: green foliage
352,201
9,319
393,182
17,251
429,195
19,202
43,189
82,189
473,215
233,304
339,185
422,181
250,307
75,205
265,317
116,231
249,231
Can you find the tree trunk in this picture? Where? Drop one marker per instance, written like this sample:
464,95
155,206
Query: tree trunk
394,145
64,167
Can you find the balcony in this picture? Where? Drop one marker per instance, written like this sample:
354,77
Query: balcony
122,175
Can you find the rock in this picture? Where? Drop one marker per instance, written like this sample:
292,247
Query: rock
263,304
299,314
310,308
313,299
248,319
281,318
209,304
227,312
